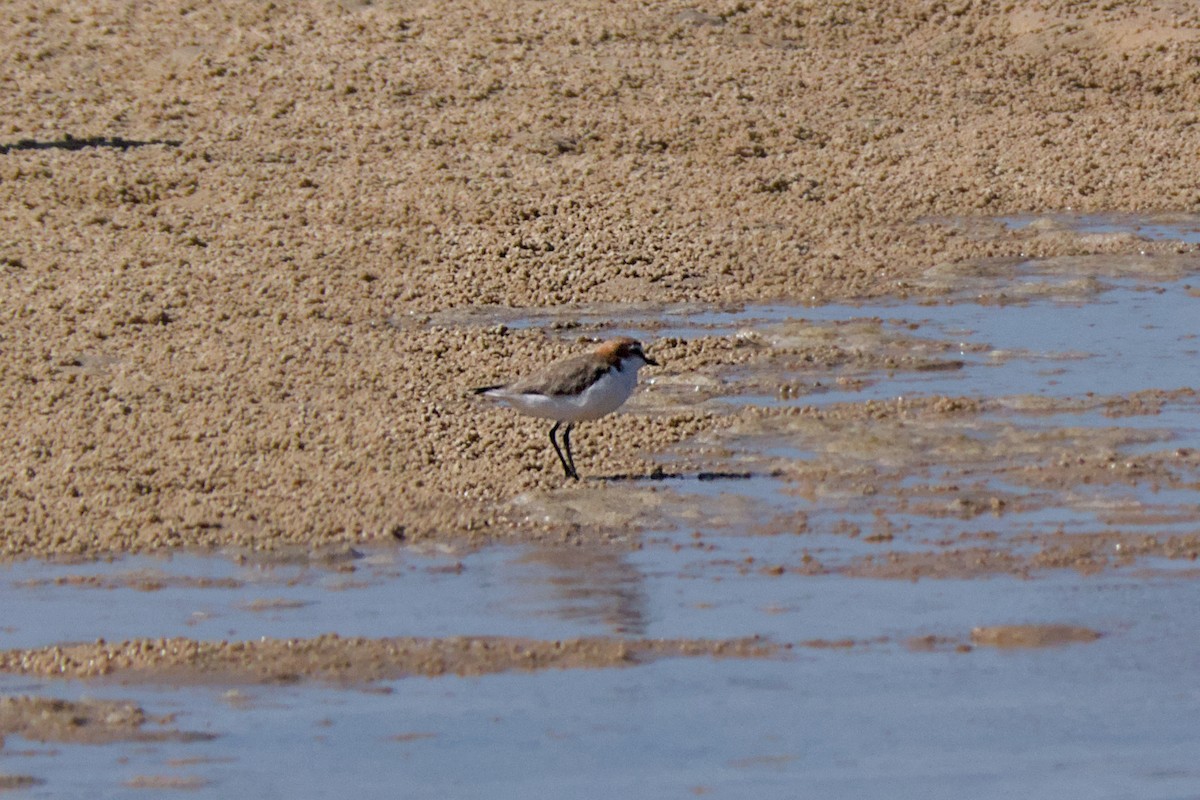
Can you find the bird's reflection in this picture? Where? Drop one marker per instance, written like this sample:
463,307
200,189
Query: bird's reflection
590,584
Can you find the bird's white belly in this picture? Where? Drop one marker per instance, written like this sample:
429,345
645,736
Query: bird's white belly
602,397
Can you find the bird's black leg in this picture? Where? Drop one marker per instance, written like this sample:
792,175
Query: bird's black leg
567,468
567,442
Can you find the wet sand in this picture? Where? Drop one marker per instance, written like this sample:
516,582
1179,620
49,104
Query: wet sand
41,719
352,660
226,226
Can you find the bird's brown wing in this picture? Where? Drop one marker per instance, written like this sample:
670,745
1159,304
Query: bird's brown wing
569,376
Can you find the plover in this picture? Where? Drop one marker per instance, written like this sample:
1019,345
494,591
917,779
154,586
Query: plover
576,389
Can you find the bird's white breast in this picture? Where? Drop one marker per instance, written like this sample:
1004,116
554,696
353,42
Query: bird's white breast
607,394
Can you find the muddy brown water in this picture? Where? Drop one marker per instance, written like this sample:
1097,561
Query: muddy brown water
978,554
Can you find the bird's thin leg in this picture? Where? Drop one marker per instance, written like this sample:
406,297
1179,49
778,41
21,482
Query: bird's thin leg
567,442
565,465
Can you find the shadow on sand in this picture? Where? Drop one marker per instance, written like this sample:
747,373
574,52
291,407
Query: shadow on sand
660,475
69,142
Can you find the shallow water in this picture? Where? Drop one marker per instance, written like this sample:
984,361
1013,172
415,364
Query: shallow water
1047,345
1175,228
1107,719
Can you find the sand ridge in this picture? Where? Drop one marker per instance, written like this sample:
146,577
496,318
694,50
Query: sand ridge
355,659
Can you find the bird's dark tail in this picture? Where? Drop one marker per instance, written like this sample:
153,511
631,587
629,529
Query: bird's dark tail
486,389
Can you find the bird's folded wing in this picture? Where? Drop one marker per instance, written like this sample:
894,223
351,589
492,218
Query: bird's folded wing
569,376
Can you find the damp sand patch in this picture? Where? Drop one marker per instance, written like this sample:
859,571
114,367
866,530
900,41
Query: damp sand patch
333,658
1021,636
943,487
89,721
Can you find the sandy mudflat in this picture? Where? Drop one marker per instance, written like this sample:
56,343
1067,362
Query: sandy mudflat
224,225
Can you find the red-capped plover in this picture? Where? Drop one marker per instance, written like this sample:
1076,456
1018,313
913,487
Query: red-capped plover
576,389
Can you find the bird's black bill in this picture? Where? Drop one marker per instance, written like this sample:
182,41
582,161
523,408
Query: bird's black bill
650,361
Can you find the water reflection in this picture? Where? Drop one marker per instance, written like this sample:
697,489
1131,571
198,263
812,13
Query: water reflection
586,584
